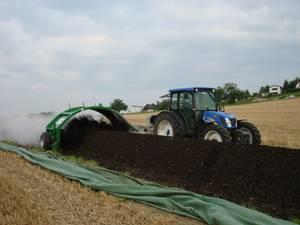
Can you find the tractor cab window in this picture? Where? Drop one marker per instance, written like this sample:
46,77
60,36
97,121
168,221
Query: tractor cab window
186,101
204,100
174,100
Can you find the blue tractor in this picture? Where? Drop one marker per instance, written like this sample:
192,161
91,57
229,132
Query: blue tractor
194,112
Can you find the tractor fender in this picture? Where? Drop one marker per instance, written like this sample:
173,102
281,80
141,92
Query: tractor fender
241,120
201,127
175,115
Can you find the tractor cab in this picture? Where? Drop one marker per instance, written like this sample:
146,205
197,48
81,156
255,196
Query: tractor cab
201,99
198,106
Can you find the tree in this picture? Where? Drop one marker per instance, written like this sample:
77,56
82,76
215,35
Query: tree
163,105
232,92
290,85
230,88
247,94
244,95
285,85
264,89
118,105
220,94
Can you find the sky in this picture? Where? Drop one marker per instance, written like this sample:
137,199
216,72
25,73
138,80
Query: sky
54,53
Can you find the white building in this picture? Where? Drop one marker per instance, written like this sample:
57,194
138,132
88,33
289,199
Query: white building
133,109
275,90
298,85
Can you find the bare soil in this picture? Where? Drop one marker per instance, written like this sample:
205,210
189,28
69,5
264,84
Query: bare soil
261,177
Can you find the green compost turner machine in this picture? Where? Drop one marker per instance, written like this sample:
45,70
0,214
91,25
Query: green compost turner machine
51,138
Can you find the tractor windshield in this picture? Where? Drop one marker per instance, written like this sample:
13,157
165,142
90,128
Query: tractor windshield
205,100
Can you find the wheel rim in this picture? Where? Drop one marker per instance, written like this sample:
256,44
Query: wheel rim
213,136
165,129
248,134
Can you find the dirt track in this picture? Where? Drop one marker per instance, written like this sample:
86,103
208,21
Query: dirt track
262,177
31,195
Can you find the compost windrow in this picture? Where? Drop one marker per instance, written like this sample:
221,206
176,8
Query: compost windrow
261,177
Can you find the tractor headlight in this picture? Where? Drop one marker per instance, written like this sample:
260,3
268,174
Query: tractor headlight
228,122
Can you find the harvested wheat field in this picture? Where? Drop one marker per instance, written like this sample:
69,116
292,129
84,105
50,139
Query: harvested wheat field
278,120
32,195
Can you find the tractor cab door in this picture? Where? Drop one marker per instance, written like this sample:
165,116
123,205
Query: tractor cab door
186,109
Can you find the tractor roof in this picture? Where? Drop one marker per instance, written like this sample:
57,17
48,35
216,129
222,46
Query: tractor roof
190,89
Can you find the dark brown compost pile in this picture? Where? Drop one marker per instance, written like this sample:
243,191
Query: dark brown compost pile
262,177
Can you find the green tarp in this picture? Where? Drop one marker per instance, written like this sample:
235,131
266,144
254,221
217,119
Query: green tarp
211,210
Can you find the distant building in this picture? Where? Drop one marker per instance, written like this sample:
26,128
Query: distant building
275,90
133,109
298,85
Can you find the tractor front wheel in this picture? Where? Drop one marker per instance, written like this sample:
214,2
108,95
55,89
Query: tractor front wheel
215,133
45,141
250,131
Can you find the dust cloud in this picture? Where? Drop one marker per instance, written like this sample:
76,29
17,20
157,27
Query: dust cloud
23,129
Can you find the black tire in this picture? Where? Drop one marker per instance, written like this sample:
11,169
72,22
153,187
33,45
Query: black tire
256,137
177,129
45,141
238,137
223,133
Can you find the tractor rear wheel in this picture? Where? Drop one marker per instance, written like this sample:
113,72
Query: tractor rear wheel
166,125
250,131
45,141
215,133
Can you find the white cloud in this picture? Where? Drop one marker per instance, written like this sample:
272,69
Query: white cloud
83,45
92,51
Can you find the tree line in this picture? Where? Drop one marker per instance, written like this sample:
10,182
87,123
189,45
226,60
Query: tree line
290,86
230,93
119,105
